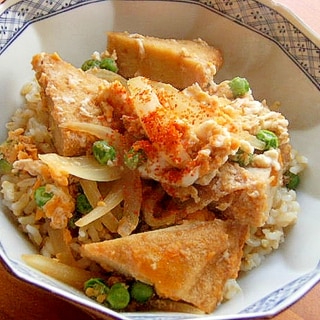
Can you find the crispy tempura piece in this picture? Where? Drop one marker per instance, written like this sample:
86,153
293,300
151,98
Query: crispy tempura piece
189,262
243,194
207,292
69,94
180,63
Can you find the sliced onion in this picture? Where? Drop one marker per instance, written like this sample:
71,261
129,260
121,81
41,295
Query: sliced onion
132,202
107,75
101,132
256,143
113,198
85,167
68,274
90,189
61,246
150,206
110,221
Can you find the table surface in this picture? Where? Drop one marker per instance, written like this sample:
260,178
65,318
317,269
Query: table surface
19,300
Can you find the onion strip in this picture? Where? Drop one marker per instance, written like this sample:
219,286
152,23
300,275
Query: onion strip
91,190
132,187
110,221
113,198
107,75
70,275
101,132
85,167
60,245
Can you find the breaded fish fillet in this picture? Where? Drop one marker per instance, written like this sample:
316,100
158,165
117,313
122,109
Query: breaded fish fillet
69,94
180,63
189,262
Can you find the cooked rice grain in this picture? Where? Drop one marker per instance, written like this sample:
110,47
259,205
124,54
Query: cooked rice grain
17,193
267,238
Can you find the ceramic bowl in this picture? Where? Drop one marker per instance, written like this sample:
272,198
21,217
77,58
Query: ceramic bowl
260,41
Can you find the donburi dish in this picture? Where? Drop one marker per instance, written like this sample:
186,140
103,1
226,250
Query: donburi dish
142,181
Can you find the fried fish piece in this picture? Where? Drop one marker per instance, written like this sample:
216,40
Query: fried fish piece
207,292
69,94
243,194
180,63
189,262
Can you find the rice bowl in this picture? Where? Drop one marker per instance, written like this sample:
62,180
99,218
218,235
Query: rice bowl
292,114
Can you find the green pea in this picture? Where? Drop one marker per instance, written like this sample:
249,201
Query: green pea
41,196
141,292
97,284
82,204
103,152
239,86
90,64
118,296
109,64
292,180
5,166
134,158
106,63
269,138
243,158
